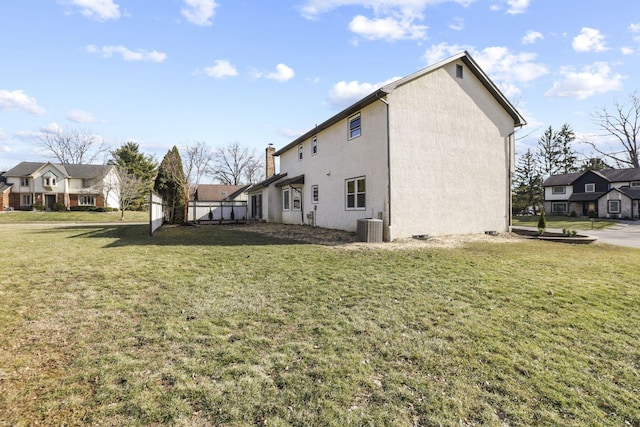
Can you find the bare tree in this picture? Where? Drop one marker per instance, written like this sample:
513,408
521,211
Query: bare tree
234,164
197,161
129,188
73,145
623,124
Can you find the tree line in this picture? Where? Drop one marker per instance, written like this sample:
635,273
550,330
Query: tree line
173,178
555,152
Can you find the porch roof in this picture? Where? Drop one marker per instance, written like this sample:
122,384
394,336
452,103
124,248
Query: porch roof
291,181
586,197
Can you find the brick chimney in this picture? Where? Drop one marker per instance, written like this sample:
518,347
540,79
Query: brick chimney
270,162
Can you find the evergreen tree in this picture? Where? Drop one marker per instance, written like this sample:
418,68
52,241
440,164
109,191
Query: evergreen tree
172,186
527,183
549,153
595,164
568,158
135,166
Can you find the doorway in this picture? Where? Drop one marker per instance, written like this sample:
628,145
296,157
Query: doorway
49,201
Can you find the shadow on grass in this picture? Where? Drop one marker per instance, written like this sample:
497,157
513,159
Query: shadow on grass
138,235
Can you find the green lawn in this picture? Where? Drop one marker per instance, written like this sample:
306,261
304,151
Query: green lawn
562,222
16,217
104,325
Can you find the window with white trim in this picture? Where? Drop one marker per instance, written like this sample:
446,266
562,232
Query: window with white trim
590,188
559,189
559,207
314,146
314,194
355,127
635,184
87,200
26,200
285,199
613,206
300,152
459,71
24,182
296,196
355,190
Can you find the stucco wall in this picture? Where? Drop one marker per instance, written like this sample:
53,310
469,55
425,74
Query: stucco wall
338,159
451,154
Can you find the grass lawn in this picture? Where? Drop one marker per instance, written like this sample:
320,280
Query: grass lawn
15,217
561,222
104,325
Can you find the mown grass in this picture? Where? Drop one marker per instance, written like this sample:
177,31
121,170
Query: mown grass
212,326
18,217
562,222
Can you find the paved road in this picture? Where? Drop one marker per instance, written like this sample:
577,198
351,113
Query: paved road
622,234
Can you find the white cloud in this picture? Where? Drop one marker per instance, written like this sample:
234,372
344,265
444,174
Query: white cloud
102,10
456,24
17,100
517,6
199,12
626,50
127,54
591,80
634,28
344,93
389,28
531,37
80,116
589,40
503,65
221,69
282,73
440,51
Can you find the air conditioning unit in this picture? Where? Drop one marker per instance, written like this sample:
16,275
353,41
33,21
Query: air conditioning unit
369,230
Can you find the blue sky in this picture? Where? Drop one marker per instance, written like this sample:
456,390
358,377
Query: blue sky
170,72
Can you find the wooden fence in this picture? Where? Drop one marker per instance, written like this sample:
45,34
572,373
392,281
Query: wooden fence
220,211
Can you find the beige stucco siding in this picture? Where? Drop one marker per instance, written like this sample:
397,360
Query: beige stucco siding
451,155
338,159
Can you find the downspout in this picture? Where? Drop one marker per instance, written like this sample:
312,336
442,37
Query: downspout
389,236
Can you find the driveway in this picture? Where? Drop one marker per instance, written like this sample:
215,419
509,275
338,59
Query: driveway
621,234
624,233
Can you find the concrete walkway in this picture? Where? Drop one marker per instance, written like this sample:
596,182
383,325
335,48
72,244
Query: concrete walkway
624,233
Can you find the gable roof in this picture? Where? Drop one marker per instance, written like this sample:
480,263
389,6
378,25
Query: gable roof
267,182
611,175
463,56
4,187
218,192
632,193
25,169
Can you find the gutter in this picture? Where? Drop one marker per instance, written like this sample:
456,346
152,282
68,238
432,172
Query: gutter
386,103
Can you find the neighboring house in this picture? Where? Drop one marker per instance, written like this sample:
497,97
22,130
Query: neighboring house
4,193
71,185
609,193
223,201
429,154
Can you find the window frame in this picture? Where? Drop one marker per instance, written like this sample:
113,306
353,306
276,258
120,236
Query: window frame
24,181
286,201
314,194
300,152
356,194
588,186
555,210
459,71
355,131
614,211
296,196
314,146
81,200
634,184
562,188
28,198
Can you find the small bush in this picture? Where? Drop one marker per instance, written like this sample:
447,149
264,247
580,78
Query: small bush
37,207
573,214
58,207
542,223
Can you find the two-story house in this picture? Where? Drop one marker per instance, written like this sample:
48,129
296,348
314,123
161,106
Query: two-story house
610,193
31,183
429,154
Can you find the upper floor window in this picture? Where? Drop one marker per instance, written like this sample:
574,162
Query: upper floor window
314,146
355,129
355,193
459,71
300,151
590,188
558,189
24,182
635,184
